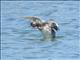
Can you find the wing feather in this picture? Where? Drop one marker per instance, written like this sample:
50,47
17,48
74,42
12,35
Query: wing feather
34,19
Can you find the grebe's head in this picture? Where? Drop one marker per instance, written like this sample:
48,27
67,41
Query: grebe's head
53,25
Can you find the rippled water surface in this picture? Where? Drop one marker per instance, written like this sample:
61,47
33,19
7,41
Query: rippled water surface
19,41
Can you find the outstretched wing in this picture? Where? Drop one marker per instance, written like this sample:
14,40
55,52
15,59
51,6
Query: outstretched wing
34,18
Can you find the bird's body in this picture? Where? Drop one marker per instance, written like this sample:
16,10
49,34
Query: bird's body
48,28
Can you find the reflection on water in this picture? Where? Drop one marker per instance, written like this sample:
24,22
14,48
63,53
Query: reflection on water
19,41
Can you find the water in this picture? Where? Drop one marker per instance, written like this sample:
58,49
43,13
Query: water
19,41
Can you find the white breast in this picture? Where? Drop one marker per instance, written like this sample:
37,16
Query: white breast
46,31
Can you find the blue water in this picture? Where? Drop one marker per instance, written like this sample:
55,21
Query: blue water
19,41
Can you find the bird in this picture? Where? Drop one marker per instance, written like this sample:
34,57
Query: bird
48,28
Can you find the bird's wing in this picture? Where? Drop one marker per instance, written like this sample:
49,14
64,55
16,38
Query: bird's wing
34,18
